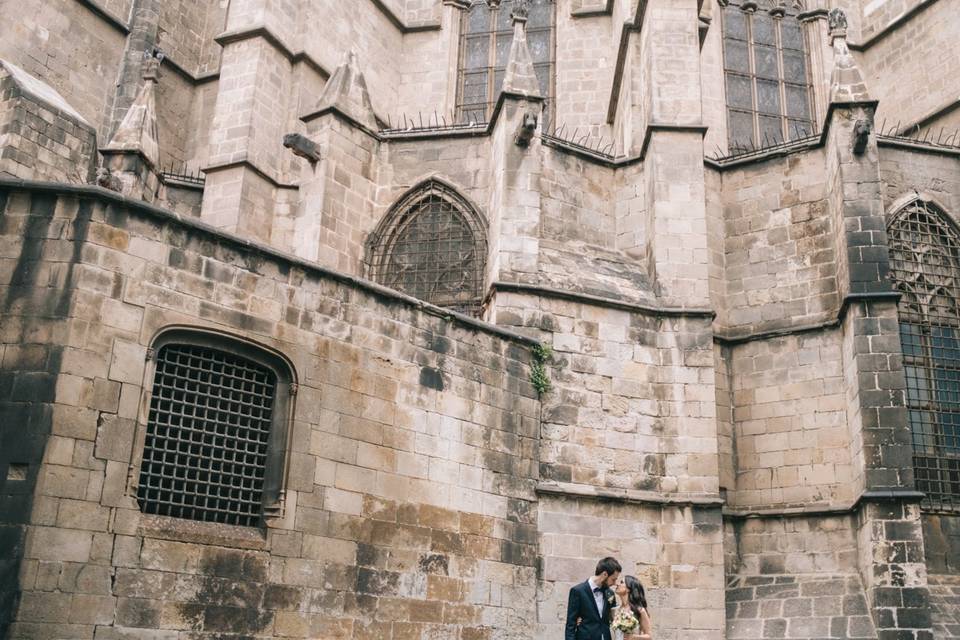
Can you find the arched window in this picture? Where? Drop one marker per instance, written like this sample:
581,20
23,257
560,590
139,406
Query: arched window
925,261
432,245
215,441
765,67
486,33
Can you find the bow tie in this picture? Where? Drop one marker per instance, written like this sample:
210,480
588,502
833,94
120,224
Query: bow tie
598,589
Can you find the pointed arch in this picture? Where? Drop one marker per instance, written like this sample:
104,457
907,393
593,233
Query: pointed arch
432,245
925,264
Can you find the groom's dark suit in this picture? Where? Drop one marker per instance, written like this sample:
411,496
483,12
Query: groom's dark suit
594,624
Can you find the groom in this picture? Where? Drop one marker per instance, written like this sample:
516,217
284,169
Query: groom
588,608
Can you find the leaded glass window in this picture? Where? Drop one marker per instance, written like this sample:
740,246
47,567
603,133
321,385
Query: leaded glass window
766,75
486,35
925,261
433,246
214,443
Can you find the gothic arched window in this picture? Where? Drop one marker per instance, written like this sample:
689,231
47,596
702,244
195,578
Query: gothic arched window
486,33
432,245
925,261
765,68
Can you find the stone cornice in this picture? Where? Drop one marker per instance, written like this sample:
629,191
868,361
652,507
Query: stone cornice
114,21
247,163
262,31
624,161
867,497
734,339
245,244
909,145
593,12
400,24
628,496
183,72
600,301
892,26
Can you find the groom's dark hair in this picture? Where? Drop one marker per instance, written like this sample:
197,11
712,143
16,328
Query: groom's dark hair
608,564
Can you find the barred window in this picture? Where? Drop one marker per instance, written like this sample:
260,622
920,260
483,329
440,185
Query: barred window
216,431
765,68
486,33
925,261
432,245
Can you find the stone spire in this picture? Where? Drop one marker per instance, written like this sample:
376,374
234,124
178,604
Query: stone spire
137,132
346,91
519,77
846,82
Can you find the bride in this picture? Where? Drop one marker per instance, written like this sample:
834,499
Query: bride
633,601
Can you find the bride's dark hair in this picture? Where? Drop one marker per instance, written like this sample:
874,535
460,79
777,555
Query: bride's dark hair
636,596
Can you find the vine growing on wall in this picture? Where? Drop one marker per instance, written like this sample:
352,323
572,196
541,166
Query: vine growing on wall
539,377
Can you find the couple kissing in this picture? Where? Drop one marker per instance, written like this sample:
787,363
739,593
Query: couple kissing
607,606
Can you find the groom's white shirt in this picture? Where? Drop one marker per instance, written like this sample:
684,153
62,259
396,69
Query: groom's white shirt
597,595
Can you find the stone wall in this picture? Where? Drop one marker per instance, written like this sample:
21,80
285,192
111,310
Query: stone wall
41,136
790,423
409,500
66,45
941,538
576,197
904,174
912,86
779,245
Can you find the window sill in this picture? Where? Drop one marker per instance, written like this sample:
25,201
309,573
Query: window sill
224,535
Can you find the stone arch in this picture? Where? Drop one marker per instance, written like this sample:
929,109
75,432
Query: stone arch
924,246
432,245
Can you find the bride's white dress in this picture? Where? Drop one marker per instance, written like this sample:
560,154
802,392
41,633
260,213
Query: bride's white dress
616,633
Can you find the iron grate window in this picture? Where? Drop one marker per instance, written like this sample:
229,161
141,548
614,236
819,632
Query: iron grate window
486,34
925,261
207,436
766,75
432,246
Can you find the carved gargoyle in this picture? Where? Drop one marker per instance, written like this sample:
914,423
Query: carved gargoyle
527,129
107,180
302,146
861,135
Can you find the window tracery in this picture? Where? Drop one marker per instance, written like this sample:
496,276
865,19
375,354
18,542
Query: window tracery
433,246
925,262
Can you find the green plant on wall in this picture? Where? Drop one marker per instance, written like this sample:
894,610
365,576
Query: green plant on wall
539,377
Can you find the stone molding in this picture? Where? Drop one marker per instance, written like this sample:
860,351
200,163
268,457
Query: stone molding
600,301
627,496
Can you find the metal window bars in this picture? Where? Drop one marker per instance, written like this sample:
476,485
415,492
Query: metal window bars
433,246
208,435
925,262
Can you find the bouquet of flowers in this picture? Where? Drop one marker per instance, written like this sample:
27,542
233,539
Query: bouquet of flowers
625,620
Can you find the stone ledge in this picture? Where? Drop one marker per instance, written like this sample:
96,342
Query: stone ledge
869,496
600,301
627,496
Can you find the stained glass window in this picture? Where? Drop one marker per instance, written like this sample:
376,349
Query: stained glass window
486,36
433,246
765,70
925,261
